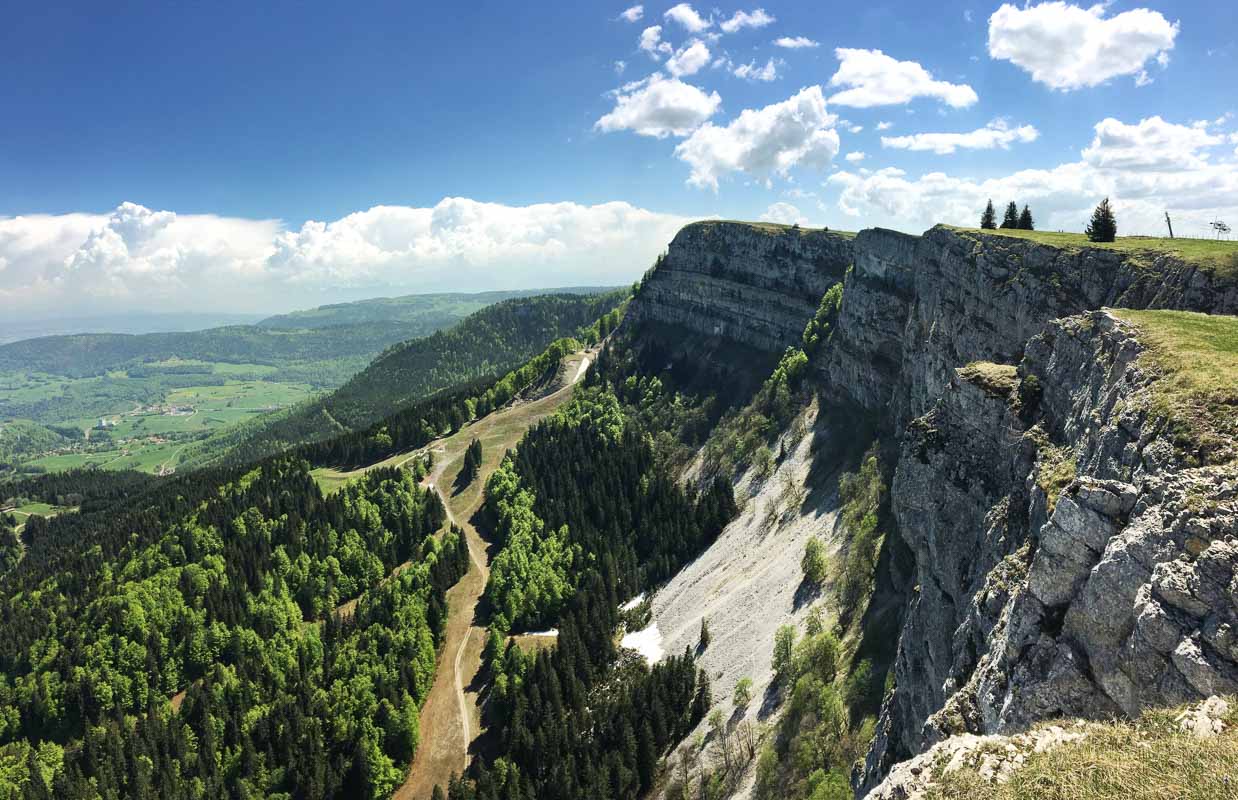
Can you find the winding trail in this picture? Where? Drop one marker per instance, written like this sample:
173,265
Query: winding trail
451,716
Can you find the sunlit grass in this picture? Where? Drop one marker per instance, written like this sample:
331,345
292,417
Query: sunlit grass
1217,255
1197,356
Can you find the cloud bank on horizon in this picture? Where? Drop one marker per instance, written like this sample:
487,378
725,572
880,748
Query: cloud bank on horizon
136,257
747,110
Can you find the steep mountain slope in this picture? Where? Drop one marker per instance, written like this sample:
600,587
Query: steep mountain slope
1054,509
485,345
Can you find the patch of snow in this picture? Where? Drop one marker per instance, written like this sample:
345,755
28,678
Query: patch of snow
647,642
551,632
633,603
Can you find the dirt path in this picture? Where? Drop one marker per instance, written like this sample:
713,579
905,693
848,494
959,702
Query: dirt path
451,717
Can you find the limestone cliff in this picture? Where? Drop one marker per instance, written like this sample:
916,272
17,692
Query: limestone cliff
754,284
1075,554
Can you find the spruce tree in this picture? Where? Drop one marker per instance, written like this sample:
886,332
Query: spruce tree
988,220
1025,220
1011,220
1104,225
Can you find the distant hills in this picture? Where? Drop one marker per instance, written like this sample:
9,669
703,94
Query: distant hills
348,330
485,344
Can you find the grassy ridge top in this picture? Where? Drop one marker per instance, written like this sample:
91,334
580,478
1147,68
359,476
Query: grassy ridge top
1218,256
1197,356
772,228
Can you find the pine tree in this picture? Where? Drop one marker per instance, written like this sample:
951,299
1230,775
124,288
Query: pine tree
1104,225
1011,220
1025,220
704,643
988,220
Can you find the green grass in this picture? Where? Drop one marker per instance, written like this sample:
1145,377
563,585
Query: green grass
1150,759
1218,256
1197,358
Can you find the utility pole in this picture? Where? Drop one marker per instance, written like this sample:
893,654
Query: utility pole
1170,223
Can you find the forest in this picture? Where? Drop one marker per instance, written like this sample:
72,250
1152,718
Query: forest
586,518
222,595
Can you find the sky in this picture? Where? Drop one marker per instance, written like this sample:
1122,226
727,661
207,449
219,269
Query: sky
247,157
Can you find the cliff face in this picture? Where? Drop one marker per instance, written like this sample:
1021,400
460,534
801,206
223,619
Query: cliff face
1026,608
1072,558
917,307
753,284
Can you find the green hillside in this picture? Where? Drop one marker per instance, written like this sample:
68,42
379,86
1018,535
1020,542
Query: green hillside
488,343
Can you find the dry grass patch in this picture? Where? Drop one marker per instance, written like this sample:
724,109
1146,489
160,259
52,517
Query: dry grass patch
1151,759
1197,357
997,380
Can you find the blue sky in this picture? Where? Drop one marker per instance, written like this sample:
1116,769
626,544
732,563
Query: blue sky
244,137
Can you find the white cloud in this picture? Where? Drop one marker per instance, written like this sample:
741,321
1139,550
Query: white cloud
884,126
137,258
873,78
997,133
764,142
1067,47
856,156
1151,145
747,19
967,16
784,214
849,126
686,16
620,66
651,42
689,59
659,106
795,42
633,13
752,72
1144,168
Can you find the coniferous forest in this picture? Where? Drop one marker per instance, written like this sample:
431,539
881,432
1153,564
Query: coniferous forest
222,596
586,517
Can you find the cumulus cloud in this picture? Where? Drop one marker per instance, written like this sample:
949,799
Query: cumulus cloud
884,126
1067,47
784,214
1151,145
686,16
855,156
137,258
747,19
873,78
1117,164
632,14
689,59
659,106
764,142
752,72
795,42
651,42
997,133
849,126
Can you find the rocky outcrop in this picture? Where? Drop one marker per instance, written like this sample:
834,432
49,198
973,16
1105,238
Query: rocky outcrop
751,283
915,308
1069,561
996,759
